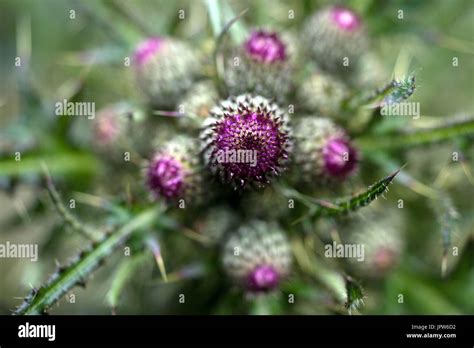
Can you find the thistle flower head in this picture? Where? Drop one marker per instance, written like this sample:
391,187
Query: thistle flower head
173,172
257,256
383,245
384,258
147,49
165,68
216,222
261,66
265,47
196,104
246,140
323,150
263,278
345,19
108,126
322,93
340,157
166,176
370,72
335,38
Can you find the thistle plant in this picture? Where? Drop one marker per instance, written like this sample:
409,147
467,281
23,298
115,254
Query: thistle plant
257,257
335,36
323,150
173,173
262,66
165,69
322,94
246,140
226,171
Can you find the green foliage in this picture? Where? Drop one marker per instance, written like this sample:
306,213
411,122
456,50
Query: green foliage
83,60
419,137
321,208
355,295
77,272
400,90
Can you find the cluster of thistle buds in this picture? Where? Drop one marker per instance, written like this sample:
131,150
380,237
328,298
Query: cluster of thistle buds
249,137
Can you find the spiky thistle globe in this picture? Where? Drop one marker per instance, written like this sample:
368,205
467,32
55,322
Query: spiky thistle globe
197,104
332,34
165,69
383,245
323,150
216,222
267,204
257,256
322,94
174,173
261,66
109,125
246,140
370,72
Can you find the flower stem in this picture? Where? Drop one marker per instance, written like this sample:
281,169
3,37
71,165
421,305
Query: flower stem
420,137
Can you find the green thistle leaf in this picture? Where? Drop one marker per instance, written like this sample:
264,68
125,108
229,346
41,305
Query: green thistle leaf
65,278
448,218
124,272
218,56
355,295
66,163
318,208
393,92
440,133
400,90
68,218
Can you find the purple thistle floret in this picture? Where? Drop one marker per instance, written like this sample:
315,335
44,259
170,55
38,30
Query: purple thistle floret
263,278
264,256
147,49
246,140
345,18
251,132
340,158
107,127
265,47
166,176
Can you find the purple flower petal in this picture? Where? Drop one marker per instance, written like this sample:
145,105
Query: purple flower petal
263,278
340,158
146,49
345,19
265,47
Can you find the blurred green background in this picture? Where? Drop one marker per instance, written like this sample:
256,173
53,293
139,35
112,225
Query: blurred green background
82,58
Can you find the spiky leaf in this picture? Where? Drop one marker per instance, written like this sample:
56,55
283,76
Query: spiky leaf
38,301
355,295
393,92
318,208
400,90
125,271
447,131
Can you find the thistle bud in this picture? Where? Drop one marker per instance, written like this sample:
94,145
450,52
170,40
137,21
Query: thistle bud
383,245
323,150
266,204
174,173
109,125
246,140
322,94
260,66
197,104
370,72
165,69
216,222
335,38
257,257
